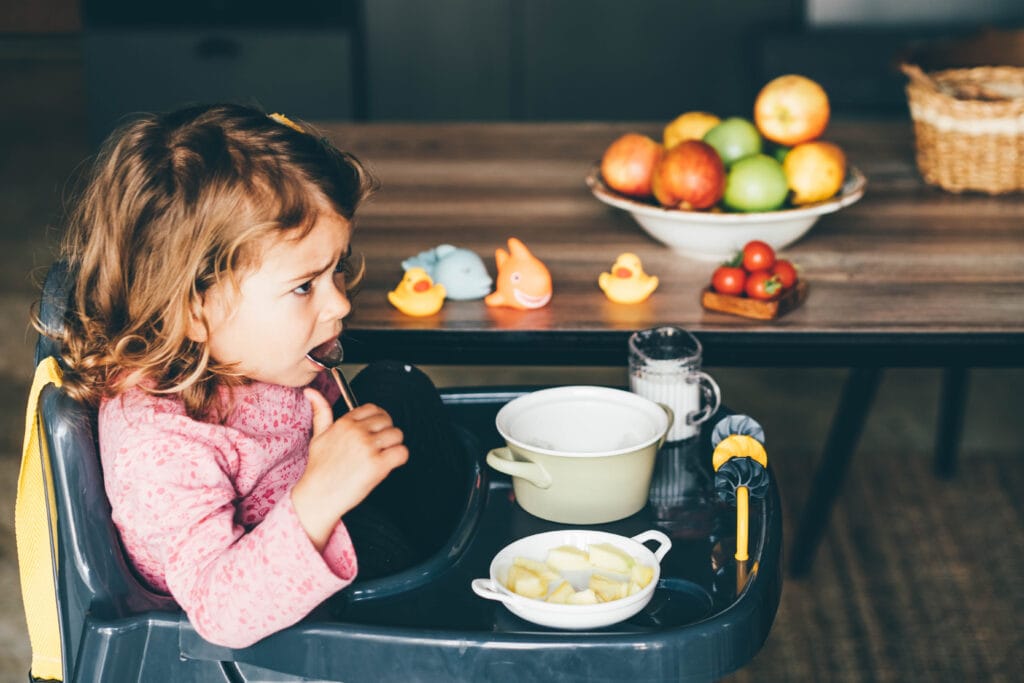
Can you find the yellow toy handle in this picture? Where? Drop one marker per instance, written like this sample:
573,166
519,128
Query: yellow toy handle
739,446
742,523
732,447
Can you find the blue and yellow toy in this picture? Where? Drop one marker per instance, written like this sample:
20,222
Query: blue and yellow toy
461,271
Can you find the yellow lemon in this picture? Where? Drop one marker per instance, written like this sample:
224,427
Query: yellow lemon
689,126
814,171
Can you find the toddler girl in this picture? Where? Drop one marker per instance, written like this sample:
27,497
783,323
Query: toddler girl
211,250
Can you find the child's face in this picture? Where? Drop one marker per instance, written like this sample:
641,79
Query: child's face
291,303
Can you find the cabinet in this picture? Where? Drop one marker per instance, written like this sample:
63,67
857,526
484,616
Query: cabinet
154,57
565,59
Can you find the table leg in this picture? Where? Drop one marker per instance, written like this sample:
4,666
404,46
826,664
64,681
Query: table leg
952,403
851,413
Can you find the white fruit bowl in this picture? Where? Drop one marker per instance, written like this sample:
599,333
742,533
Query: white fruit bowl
717,236
573,617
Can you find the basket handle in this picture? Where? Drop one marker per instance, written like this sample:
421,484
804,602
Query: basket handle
918,75
925,80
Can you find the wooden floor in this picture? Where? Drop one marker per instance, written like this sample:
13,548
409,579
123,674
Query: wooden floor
918,579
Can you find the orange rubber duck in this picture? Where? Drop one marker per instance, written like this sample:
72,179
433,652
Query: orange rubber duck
523,281
627,283
417,295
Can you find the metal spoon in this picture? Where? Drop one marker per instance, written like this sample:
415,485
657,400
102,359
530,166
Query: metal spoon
329,356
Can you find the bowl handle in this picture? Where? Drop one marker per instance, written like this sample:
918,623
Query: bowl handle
664,542
501,460
485,589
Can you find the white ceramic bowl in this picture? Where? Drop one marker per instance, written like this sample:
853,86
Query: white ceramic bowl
580,454
710,236
573,617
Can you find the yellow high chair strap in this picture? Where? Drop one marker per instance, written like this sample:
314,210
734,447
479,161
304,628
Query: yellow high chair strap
35,524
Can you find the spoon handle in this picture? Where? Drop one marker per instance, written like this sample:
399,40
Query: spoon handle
346,391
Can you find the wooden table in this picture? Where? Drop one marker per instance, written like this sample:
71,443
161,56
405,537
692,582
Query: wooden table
908,276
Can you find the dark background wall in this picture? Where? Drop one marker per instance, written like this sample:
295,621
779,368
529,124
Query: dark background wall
492,59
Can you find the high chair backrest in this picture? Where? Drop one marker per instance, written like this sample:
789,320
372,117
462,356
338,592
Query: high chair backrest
93,577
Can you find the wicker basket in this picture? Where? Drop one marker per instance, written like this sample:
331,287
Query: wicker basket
969,127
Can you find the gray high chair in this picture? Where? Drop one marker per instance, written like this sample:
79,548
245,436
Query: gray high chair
423,624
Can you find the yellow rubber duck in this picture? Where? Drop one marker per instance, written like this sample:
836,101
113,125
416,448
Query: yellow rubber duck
417,295
627,283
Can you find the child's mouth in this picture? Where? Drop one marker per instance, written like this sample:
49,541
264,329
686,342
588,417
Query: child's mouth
327,355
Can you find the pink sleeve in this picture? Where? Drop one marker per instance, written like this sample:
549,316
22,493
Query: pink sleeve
241,591
178,504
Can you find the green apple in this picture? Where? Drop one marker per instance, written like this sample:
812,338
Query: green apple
607,556
524,582
733,139
584,597
562,594
756,183
537,567
567,558
641,574
607,588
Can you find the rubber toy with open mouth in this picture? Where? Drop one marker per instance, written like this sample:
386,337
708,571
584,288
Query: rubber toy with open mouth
627,283
523,281
416,294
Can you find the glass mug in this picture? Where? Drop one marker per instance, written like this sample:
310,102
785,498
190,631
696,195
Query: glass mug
664,366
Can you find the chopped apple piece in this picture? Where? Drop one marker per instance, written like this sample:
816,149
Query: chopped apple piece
524,582
642,574
607,588
562,593
537,567
568,558
607,556
585,597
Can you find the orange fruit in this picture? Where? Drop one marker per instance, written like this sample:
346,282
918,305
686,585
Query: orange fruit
689,126
814,171
791,109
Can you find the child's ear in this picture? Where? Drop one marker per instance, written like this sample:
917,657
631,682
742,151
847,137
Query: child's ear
196,330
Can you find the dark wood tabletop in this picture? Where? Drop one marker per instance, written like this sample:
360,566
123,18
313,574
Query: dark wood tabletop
909,275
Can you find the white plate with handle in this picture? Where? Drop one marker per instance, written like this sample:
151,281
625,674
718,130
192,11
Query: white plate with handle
573,616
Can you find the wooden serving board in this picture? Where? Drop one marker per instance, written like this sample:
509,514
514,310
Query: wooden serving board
755,308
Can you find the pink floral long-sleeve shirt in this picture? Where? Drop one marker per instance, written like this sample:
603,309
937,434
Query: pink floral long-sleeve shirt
205,511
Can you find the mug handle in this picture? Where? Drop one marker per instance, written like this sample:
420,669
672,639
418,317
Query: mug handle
711,394
501,460
671,420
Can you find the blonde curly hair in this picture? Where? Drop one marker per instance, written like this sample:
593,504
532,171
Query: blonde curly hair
174,204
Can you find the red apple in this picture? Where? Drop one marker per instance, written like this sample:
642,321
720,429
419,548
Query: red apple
628,163
691,175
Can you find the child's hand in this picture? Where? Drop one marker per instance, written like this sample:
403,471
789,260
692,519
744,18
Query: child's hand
347,459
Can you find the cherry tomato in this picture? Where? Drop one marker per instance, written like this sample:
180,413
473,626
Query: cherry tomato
758,255
762,284
786,272
729,280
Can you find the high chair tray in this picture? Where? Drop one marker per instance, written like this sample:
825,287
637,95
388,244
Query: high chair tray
707,618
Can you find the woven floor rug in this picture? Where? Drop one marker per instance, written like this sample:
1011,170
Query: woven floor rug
918,579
